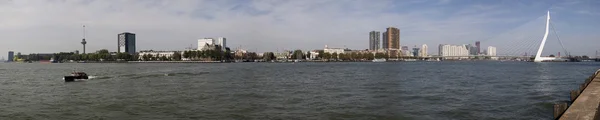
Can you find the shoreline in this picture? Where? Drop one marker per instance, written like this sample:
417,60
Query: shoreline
309,61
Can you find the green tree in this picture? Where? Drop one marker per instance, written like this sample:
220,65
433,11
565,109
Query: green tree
343,56
177,56
379,55
551,56
135,57
268,56
334,56
386,55
102,51
326,56
164,58
297,54
321,54
228,55
369,56
151,57
186,54
145,57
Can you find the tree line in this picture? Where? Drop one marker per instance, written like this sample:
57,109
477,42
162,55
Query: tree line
100,55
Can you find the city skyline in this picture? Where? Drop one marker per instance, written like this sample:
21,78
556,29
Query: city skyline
269,26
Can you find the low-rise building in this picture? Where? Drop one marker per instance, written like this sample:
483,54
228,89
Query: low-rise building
167,54
313,55
335,50
282,55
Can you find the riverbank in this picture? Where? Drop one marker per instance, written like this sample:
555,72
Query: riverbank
585,101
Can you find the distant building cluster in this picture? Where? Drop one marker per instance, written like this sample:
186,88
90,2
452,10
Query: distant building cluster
465,51
453,50
390,44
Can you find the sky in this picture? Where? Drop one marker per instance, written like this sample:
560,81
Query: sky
38,26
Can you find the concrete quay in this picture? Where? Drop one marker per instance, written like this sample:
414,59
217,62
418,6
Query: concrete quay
585,102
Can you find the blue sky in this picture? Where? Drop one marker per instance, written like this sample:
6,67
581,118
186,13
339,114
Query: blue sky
36,26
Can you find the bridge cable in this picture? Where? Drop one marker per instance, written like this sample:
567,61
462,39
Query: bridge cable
561,44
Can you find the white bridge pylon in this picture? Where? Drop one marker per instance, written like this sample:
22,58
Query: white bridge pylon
538,56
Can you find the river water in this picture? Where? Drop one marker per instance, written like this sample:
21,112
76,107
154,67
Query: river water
405,90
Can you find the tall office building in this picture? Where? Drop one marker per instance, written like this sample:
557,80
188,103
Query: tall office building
416,51
126,43
424,50
221,41
374,40
478,44
385,42
491,51
11,56
205,41
392,38
473,50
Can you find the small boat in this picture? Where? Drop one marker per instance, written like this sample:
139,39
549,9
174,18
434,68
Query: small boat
379,60
76,75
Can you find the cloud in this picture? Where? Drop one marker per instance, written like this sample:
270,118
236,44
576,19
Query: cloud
32,26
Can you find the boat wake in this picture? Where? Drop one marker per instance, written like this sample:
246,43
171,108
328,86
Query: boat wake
98,77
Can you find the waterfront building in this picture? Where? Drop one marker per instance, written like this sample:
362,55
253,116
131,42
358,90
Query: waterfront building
453,50
391,38
126,43
221,41
334,50
204,42
472,49
210,47
478,45
405,51
416,51
424,50
239,53
157,54
11,56
374,40
282,55
385,43
491,51
313,55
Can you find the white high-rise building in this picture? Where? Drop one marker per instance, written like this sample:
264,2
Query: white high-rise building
424,50
205,41
454,50
491,51
221,41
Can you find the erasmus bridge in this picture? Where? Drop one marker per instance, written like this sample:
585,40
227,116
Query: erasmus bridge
520,42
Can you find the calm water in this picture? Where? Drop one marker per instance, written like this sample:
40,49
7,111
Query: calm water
409,90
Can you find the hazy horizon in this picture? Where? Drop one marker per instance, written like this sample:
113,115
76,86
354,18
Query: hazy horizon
31,26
